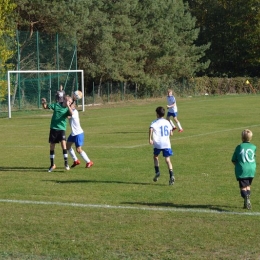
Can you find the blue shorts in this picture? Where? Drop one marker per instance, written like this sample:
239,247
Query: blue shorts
166,152
77,139
169,114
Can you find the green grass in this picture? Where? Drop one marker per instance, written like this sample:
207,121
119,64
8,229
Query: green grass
200,217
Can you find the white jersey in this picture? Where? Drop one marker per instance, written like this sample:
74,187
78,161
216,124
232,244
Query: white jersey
75,123
171,100
161,133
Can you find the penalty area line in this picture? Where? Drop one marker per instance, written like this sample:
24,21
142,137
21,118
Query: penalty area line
104,206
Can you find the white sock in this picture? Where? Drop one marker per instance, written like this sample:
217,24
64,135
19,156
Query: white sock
179,125
85,157
72,154
173,125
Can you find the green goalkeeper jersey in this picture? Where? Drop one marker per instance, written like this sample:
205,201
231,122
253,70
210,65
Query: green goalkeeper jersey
59,117
244,159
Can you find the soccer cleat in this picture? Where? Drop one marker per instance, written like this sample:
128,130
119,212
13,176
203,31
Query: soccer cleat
180,131
52,168
157,175
247,203
89,164
174,128
172,180
67,167
75,163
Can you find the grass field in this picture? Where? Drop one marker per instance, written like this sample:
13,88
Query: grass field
114,210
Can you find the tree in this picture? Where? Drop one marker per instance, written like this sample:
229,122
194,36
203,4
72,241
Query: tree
172,53
233,29
6,30
146,42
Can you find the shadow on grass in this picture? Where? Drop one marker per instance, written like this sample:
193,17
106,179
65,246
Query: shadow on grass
95,181
182,206
26,169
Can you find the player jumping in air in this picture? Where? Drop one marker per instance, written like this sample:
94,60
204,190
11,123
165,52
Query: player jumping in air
77,137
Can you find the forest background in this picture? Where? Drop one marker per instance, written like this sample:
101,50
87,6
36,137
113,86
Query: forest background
148,43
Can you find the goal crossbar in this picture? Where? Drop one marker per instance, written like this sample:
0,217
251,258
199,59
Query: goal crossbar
42,71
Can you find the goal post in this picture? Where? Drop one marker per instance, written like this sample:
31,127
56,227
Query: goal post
27,87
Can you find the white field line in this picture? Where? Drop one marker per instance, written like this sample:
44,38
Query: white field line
172,209
141,145
179,138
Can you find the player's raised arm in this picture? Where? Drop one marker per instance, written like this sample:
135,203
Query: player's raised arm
44,103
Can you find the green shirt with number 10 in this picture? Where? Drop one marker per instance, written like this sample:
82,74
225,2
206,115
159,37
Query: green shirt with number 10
244,159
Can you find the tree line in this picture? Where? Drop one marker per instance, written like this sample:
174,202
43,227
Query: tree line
147,42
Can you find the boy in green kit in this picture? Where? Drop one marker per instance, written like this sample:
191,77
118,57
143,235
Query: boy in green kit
245,166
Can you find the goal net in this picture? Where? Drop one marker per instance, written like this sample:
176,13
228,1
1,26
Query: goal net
26,88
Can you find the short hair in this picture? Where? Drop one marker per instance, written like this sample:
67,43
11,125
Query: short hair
160,111
169,90
247,135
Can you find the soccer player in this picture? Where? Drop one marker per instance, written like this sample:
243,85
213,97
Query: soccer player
245,166
60,95
173,111
58,128
77,137
159,136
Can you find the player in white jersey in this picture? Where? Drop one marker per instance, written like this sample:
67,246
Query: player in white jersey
173,111
77,137
159,136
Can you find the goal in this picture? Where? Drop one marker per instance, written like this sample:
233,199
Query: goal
27,87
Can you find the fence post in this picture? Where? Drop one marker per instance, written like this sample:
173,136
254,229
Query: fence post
121,84
93,93
38,68
107,92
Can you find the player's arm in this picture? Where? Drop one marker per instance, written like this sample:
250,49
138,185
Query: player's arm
170,106
69,106
150,135
44,103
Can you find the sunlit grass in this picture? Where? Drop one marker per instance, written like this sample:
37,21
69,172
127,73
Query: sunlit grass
200,217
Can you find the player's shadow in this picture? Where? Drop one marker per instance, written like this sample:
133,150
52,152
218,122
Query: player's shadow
218,208
23,169
95,181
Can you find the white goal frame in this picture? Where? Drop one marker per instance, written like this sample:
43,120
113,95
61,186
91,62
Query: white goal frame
42,71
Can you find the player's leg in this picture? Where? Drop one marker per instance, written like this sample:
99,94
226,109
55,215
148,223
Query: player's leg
166,154
156,164
244,186
178,124
169,164
52,141
70,142
171,122
65,154
52,156
79,141
248,191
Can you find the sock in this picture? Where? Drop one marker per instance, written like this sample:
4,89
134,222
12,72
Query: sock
65,156
173,125
243,193
52,155
156,169
85,157
73,155
171,173
248,192
179,125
